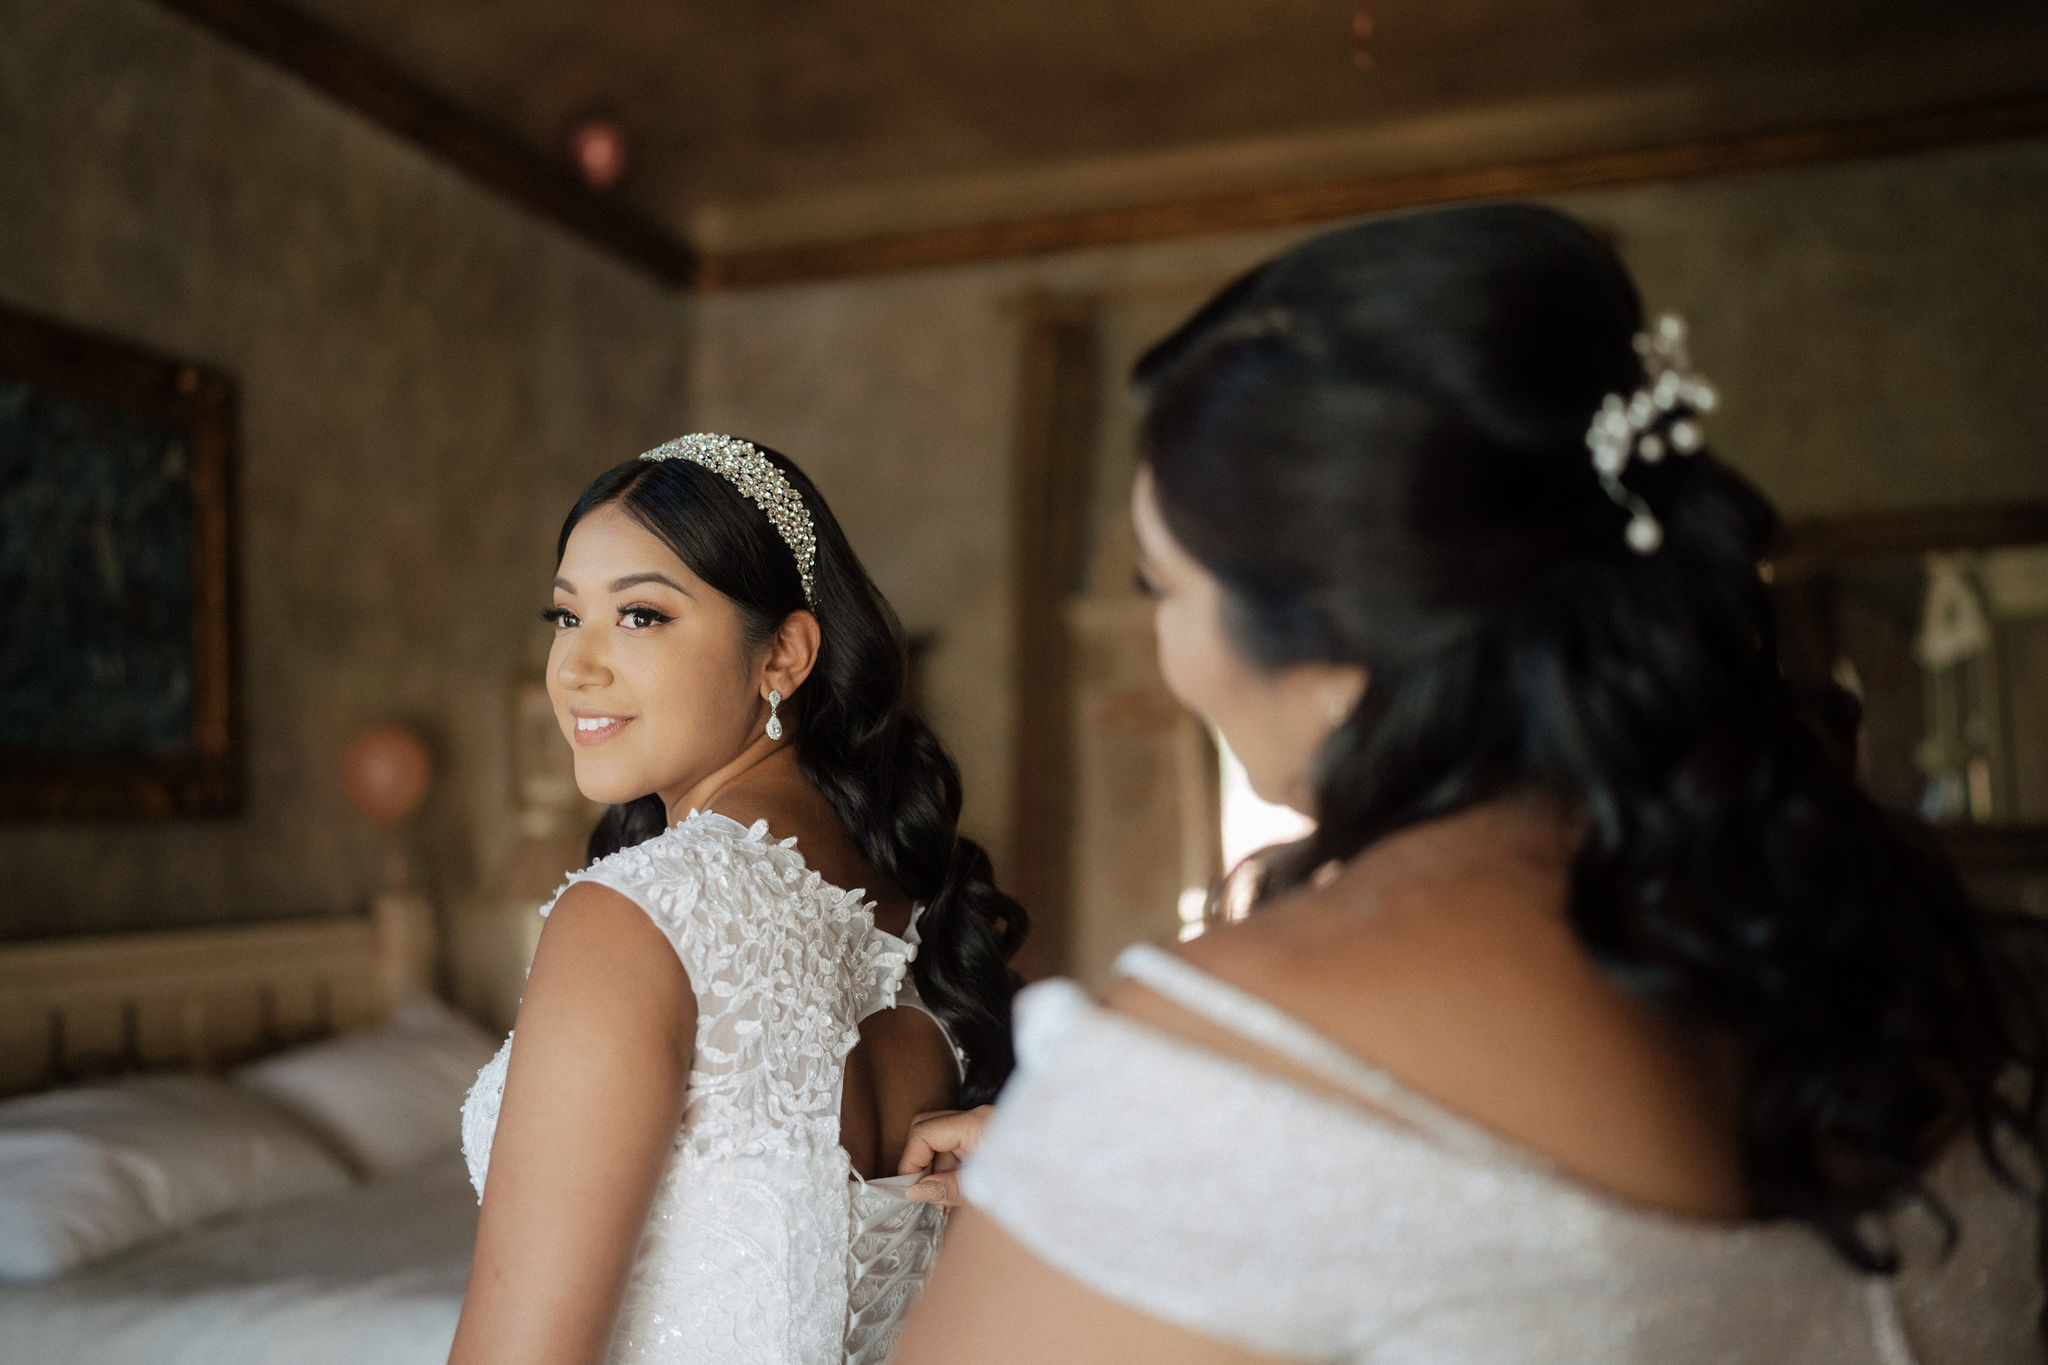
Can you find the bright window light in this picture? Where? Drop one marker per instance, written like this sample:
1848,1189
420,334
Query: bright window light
1250,824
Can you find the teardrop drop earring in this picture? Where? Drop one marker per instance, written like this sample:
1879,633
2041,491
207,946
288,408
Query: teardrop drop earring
774,720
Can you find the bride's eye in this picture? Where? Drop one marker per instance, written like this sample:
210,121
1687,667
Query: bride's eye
639,618
561,618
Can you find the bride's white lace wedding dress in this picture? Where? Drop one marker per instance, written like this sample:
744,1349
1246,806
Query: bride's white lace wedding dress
763,1246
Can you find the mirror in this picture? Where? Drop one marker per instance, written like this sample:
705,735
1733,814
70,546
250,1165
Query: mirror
1937,623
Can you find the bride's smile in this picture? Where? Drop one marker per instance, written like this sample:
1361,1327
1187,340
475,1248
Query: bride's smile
596,729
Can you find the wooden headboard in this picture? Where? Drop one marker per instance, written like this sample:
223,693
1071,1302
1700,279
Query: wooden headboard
76,1008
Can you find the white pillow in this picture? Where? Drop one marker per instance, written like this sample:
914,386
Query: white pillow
92,1170
387,1098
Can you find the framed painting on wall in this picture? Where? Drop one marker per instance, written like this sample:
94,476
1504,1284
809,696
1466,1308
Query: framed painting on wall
117,641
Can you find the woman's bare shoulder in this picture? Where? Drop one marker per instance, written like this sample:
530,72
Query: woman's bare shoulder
1340,976
1482,1001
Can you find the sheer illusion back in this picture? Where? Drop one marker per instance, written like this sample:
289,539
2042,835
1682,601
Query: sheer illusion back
1409,1236
763,1246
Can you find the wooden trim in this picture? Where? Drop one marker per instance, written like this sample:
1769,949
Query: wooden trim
1055,446
1823,542
370,84
1998,850
1253,210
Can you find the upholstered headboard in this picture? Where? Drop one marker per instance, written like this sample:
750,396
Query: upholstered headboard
75,1008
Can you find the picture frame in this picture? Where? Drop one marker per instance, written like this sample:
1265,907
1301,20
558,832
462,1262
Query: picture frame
118,684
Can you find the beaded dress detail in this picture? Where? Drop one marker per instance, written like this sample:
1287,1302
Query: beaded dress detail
1244,1206
763,1247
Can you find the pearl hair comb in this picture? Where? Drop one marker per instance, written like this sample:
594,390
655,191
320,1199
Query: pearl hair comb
1660,417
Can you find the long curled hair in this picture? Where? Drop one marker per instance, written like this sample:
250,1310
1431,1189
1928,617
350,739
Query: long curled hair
886,775
1377,443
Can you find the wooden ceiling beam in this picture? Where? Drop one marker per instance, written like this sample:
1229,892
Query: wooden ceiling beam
1330,201
369,83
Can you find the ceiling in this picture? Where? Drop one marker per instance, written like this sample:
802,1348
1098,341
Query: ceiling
756,123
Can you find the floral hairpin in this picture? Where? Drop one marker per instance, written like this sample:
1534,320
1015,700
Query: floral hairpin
1656,419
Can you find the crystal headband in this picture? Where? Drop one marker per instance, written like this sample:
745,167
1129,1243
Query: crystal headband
755,475
1661,416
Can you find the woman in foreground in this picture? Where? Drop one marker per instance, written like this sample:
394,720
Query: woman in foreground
707,1067
1602,1016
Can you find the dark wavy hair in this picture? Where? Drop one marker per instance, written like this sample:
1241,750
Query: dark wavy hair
893,785
1377,442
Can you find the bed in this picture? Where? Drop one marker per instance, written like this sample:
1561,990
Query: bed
233,1146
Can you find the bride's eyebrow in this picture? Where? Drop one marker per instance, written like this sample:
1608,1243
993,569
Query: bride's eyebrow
632,580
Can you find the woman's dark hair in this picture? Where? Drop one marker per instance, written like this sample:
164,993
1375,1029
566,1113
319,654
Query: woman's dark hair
893,785
1377,442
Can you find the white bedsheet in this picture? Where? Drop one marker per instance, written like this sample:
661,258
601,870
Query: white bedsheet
371,1273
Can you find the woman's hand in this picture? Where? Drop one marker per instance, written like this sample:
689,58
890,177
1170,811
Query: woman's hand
939,1142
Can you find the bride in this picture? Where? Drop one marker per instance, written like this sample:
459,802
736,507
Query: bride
677,1157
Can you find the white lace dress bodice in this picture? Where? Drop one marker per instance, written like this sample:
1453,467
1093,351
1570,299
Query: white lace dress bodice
763,1247
1217,1196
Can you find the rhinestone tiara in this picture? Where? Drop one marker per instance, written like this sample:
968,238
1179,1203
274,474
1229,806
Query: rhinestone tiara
755,475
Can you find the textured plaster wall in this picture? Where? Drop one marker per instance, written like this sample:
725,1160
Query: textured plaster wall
428,376
898,394
1879,330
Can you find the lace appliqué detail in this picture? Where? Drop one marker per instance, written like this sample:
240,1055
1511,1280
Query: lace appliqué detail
748,1255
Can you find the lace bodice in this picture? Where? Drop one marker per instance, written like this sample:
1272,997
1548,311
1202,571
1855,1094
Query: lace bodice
762,1247
1225,1199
